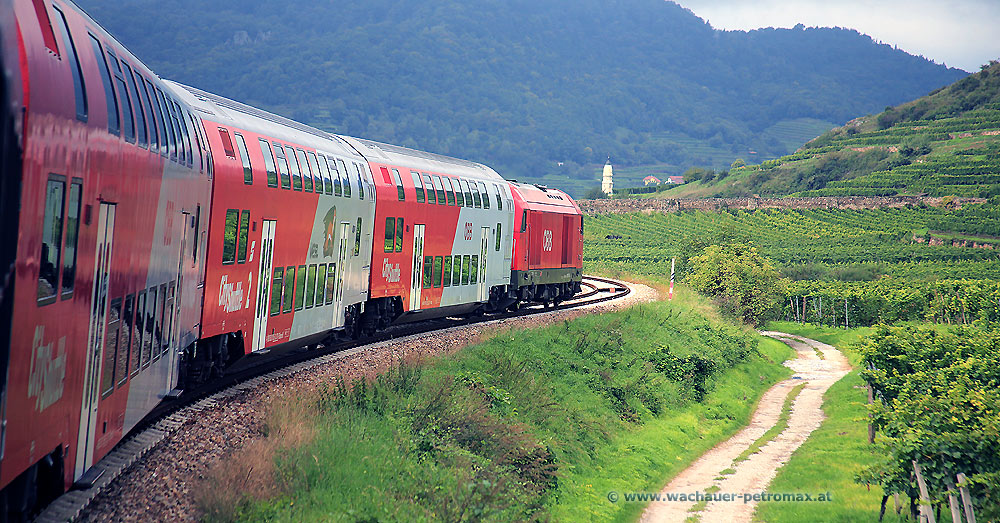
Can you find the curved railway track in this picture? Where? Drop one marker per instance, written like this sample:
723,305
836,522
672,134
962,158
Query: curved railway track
253,370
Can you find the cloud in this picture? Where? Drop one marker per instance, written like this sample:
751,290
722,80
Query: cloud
959,33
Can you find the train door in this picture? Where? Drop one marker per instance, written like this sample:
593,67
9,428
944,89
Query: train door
175,301
263,284
338,305
417,273
483,255
95,338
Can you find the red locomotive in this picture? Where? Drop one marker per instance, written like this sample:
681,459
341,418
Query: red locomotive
154,232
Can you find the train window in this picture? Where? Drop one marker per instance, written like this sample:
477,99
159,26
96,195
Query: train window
276,286
196,145
140,109
149,339
272,173
399,235
245,156
72,238
477,199
438,263
125,343
335,175
160,324
419,186
109,90
311,287
162,122
465,269
331,282
111,338
428,271
439,187
431,192
289,291
172,140
446,280
300,288
390,234
137,337
52,229
496,188
450,190
147,106
474,269
244,237
524,220
459,195
185,130
456,271
486,195
357,238
320,285
128,125
286,181
230,235
400,193
467,191
45,24
79,86
307,177
227,143
361,181
385,175
345,178
498,235
316,171
325,173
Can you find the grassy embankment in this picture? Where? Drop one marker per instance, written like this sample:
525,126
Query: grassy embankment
539,423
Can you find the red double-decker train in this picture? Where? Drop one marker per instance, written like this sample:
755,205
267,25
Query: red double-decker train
153,233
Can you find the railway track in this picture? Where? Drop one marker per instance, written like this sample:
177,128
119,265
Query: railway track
254,370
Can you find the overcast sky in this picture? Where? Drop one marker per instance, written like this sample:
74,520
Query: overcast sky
959,33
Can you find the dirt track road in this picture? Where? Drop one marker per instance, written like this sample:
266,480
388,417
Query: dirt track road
754,474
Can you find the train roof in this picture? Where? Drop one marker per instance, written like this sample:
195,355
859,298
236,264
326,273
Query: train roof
223,110
422,160
541,198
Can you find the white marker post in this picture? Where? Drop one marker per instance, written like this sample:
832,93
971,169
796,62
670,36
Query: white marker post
670,295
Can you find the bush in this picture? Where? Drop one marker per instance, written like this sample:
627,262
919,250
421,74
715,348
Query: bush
740,280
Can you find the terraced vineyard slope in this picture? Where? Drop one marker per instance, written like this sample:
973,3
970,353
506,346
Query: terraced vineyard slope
946,143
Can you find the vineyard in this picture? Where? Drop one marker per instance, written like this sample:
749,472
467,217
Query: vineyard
847,267
946,143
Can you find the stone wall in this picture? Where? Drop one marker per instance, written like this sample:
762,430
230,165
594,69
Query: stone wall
626,205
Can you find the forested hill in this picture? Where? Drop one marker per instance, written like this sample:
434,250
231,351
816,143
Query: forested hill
525,84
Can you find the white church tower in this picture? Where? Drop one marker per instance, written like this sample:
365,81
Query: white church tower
607,185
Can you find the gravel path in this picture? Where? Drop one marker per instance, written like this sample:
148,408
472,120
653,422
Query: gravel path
754,474
161,486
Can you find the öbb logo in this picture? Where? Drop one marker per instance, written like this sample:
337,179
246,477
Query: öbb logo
469,230
547,240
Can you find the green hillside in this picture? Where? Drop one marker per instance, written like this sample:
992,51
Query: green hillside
946,143
525,85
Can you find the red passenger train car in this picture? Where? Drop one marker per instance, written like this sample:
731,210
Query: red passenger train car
153,233
111,178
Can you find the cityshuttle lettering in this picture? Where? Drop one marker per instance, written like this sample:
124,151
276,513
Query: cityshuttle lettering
230,295
389,271
48,371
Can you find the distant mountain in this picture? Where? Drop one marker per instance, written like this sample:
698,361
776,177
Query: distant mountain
946,143
524,85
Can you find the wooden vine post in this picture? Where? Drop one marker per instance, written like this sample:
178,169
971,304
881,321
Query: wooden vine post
926,513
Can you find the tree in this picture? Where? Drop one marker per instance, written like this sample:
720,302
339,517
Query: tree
741,281
695,174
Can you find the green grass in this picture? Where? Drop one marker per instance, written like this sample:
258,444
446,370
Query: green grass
543,423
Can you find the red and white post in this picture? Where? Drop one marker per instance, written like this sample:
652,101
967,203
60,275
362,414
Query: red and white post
670,295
